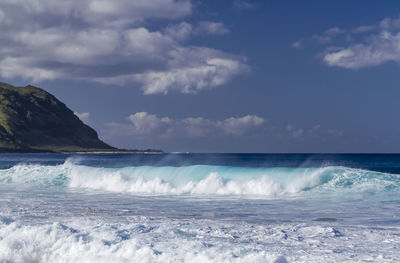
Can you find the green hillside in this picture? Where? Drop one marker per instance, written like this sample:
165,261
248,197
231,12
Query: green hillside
33,120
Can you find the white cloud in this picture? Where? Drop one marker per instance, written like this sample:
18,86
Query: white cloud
212,28
298,44
370,45
376,50
145,124
11,67
146,129
148,45
106,11
390,23
84,116
83,47
363,29
334,31
180,32
109,42
189,70
184,30
238,126
214,72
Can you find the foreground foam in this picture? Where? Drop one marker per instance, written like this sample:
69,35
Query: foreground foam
144,240
201,179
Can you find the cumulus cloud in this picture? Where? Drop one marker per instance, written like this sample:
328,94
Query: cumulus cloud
12,67
181,31
113,13
143,128
212,72
189,71
145,124
110,42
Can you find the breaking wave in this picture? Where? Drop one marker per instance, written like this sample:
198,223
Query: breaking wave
200,179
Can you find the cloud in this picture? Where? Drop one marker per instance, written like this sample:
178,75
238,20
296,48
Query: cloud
363,29
334,31
241,4
212,28
294,132
11,67
145,124
110,42
377,50
180,32
189,70
390,23
365,46
311,132
143,129
238,126
335,132
84,116
211,73
112,13
184,30
326,37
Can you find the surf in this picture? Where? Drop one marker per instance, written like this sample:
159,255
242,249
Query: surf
210,180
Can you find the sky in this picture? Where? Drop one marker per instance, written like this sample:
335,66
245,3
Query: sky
215,76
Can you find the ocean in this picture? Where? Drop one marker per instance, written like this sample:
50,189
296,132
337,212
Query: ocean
199,208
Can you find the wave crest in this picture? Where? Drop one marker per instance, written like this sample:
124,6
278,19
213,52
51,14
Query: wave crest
200,179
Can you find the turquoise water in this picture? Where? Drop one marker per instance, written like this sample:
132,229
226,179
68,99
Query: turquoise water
199,208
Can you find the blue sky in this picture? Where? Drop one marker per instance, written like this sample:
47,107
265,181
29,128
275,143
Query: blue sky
215,76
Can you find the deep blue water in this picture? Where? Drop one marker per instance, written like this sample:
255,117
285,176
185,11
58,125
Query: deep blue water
379,162
199,207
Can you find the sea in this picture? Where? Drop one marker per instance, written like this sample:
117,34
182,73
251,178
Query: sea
183,207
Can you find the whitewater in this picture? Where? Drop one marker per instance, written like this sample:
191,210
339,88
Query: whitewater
199,208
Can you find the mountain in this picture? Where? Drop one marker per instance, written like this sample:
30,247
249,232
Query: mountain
33,120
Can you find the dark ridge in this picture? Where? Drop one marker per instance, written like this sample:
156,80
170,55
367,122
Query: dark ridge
33,120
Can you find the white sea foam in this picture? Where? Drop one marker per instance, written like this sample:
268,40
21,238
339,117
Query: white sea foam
193,241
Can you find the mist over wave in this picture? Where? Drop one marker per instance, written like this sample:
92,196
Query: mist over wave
200,179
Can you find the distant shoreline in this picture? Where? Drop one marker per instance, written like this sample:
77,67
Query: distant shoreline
84,152
117,152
